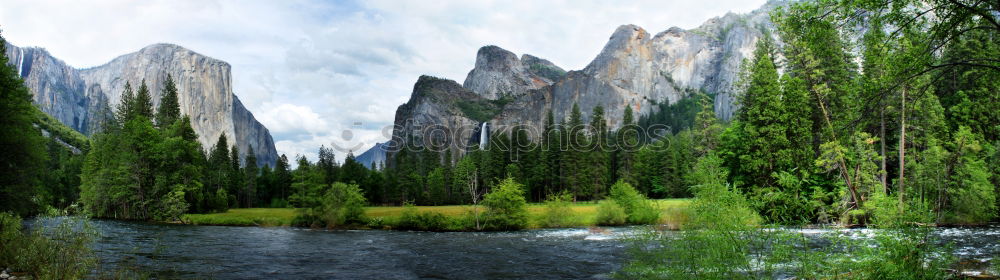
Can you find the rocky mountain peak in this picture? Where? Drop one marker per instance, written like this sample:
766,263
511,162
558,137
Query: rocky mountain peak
633,70
627,45
628,32
80,98
495,58
500,74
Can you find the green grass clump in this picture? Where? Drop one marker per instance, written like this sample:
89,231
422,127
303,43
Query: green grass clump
638,209
244,217
609,213
412,219
558,212
673,213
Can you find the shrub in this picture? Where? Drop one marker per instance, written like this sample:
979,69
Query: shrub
62,251
506,207
610,214
376,223
996,265
638,209
720,245
900,253
219,201
728,243
411,219
341,204
558,212
172,206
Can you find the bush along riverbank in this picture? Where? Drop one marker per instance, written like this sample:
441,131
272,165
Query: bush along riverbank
727,239
54,248
504,208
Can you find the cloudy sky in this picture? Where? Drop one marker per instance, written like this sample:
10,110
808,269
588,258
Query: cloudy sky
309,69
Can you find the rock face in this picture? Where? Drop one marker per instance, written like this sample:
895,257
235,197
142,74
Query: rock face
58,89
374,156
440,115
633,69
500,74
81,98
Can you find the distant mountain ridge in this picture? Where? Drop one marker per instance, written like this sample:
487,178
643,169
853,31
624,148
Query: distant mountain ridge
634,69
375,155
82,98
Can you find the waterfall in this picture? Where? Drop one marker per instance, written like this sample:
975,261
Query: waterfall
484,136
20,62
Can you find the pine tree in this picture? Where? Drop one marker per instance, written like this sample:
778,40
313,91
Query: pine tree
237,187
551,151
626,145
327,163
436,186
169,110
797,124
597,155
352,171
283,177
22,158
217,176
706,127
126,105
251,173
762,132
143,103
574,161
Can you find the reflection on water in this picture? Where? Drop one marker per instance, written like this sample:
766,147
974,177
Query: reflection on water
252,252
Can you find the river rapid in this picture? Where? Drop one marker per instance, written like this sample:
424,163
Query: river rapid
222,252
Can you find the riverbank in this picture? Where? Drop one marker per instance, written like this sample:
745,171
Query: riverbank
584,214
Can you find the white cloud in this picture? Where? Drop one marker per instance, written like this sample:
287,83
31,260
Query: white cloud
289,121
310,69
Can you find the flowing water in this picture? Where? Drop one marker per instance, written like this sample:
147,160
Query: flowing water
220,252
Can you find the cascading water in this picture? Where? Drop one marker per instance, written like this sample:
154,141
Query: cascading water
484,136
20,62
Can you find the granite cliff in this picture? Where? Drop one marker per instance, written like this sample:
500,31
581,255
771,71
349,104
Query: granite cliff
82,98
634,69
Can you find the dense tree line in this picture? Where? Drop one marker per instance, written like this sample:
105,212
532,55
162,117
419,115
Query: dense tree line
832,123
915,120
570,156
148,164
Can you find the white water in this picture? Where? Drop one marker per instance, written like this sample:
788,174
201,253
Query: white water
483,136
20,62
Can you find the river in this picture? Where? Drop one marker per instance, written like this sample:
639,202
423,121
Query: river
221,252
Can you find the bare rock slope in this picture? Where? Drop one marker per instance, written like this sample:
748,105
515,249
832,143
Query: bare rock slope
634,69
81,98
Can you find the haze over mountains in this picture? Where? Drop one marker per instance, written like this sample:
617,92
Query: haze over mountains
83,98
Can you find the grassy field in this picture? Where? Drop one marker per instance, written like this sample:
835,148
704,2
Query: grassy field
585,212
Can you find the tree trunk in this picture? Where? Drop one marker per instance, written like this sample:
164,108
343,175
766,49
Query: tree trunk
885,174
902,148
